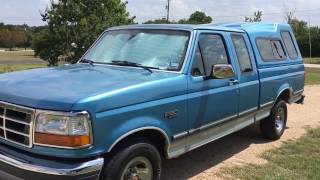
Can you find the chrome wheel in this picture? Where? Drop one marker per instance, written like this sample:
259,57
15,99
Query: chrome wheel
280,118
139,168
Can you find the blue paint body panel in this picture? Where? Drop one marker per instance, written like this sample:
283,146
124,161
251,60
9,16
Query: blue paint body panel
122,99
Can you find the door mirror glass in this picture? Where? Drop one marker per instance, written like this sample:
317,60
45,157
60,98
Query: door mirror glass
222,71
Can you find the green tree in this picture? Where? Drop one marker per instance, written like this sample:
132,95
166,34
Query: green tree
289,16
301,31
197,17
5,38
315,38
18,36
257,17
73,25
12,36
158,21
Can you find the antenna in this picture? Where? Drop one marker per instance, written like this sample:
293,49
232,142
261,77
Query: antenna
310,43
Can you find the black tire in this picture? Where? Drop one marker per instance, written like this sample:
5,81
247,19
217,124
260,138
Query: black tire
128,152
271,127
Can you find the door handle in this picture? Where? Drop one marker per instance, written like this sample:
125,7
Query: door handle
233,82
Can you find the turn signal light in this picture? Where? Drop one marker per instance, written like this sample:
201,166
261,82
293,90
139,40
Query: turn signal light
62,140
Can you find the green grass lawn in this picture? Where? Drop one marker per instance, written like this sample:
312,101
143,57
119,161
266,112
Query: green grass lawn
312,60
312,76
295,160
19,57
18,67
19,60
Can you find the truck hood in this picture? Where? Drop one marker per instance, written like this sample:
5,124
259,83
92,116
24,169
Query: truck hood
81,85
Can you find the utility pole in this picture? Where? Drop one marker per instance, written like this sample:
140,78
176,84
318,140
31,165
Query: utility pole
168,10
310,43
25,26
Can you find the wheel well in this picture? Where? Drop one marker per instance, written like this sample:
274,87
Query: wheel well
157,138
284,95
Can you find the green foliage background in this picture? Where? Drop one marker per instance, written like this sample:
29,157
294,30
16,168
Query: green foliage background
73,25
197,17
14,36
301,31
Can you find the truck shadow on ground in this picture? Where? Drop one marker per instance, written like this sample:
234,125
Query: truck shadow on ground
208,156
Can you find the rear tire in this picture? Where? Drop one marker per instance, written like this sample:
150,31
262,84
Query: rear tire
135,159
273,126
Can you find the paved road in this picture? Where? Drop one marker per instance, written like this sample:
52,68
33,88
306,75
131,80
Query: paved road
243,147
317,66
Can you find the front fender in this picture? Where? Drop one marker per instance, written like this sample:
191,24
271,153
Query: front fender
112,127
136,125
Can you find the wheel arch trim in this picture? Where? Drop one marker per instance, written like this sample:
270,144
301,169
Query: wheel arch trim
280,92
141,129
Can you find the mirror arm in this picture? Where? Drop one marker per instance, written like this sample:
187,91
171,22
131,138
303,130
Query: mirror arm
207,78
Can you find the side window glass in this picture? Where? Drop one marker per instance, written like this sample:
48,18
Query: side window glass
213,51
278,50
288,42
198,67
265,48
270,49
242,53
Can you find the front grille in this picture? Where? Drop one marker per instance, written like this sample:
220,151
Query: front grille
16,124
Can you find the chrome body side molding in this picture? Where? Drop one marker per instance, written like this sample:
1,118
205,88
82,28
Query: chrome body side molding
266,104
205,134
180,135
248,111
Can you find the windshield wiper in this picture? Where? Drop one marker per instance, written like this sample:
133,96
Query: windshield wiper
87,61
133,64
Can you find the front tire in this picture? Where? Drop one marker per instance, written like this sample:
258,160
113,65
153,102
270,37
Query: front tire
137,159
273,126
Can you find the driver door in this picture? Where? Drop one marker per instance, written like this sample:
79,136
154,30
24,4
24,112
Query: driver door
211,101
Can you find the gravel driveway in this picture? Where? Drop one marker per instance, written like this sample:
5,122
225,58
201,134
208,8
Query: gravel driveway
244,146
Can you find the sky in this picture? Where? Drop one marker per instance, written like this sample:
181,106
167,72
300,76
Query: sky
28,11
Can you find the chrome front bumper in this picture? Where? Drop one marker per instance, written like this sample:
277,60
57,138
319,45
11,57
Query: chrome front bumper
31,168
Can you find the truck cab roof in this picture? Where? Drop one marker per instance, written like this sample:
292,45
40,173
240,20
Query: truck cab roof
187,27
250,28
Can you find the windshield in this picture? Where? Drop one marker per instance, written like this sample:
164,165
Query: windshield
159,49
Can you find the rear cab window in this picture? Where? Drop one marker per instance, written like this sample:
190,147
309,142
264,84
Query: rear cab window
271,49
242,52
289,44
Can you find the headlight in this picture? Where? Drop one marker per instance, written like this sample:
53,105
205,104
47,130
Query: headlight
64,130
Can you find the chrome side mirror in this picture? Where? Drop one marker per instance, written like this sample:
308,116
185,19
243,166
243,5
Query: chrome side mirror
222,71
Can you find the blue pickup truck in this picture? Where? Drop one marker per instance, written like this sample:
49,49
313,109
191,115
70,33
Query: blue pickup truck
144,92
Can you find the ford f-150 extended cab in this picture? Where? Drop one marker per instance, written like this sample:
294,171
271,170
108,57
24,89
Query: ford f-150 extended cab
143,92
